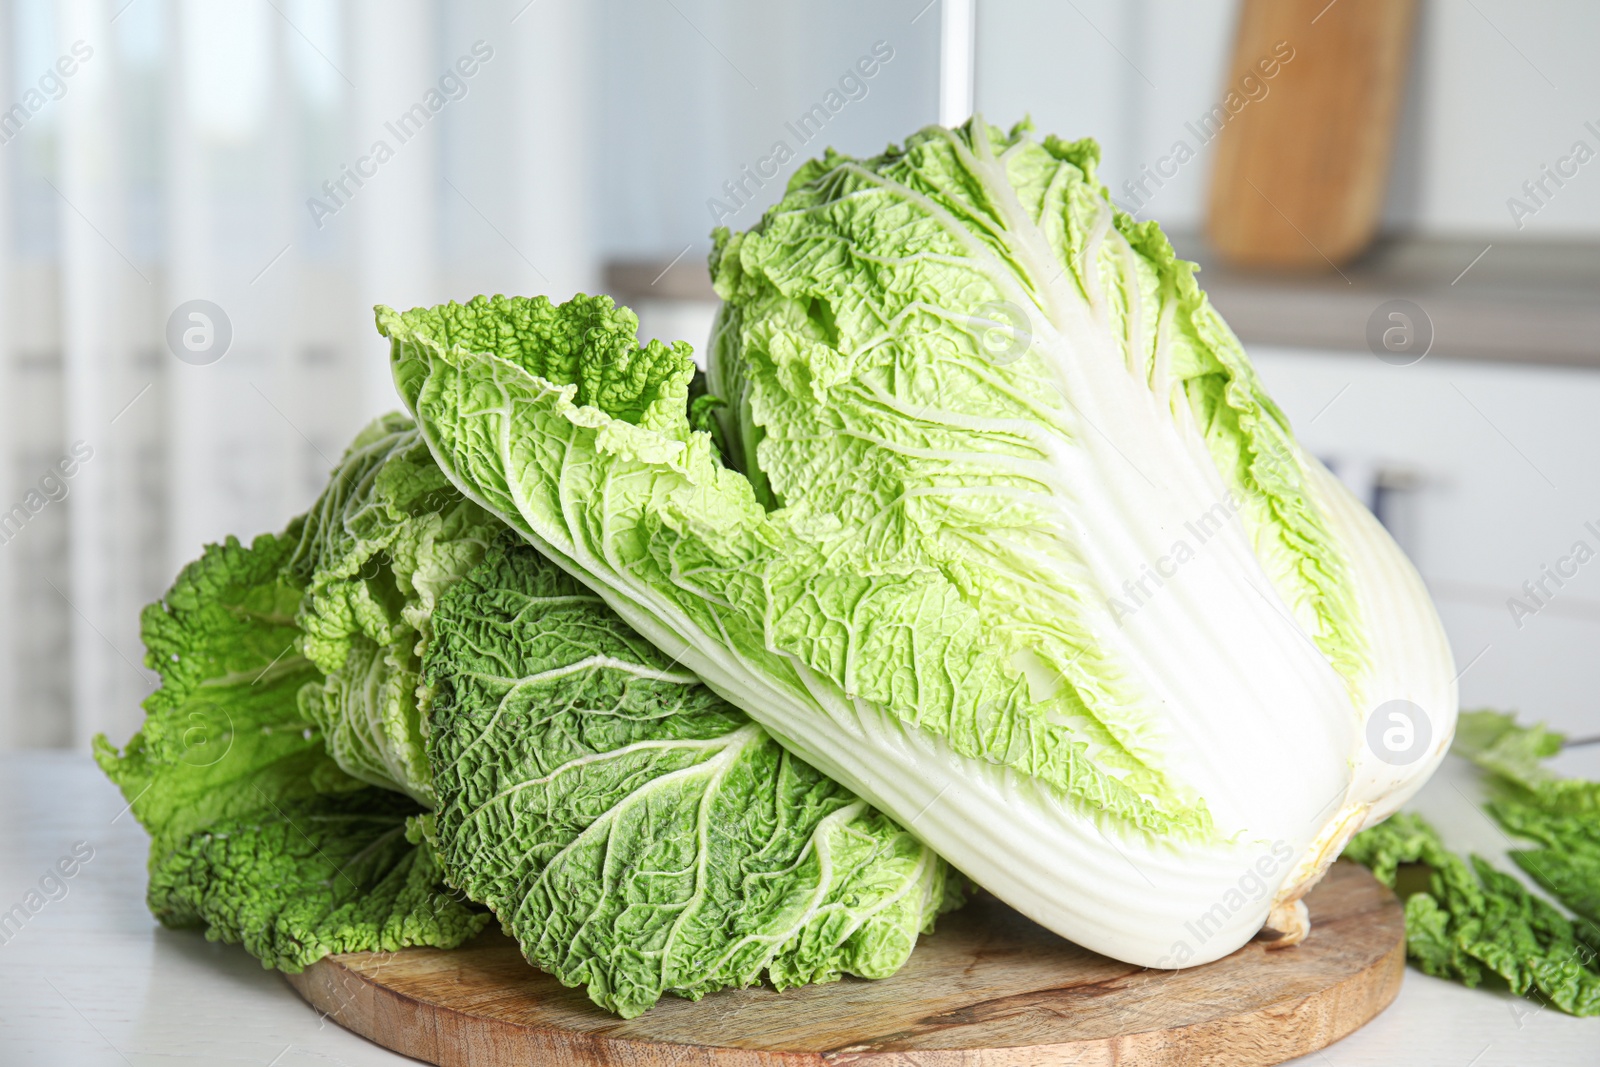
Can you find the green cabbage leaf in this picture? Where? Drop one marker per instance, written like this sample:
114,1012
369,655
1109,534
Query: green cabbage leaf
286,769
387,535
636,833
256,833
1468,920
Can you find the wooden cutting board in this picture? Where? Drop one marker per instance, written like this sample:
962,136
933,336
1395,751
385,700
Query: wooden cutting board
988,988
1302,159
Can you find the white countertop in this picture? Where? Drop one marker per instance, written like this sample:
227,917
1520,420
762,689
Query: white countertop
92,979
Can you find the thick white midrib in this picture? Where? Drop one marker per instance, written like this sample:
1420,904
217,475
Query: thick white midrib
1061,310
1132,403
1226,663
1068,326
1082,332
1245,590
1028,847
1103,390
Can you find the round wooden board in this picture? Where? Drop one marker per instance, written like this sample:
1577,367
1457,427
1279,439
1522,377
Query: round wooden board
988,988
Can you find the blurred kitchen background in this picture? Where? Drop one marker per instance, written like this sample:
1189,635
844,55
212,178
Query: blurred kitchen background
155,153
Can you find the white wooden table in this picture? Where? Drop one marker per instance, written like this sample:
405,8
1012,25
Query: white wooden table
92,979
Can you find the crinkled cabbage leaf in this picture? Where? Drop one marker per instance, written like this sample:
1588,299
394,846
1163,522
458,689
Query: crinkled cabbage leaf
636,833
256,833
387,535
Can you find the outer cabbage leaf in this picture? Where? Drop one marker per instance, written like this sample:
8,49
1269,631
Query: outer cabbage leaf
223,730
636,833
1559,816
305,879
255,831
1078,613
1474,921
386,536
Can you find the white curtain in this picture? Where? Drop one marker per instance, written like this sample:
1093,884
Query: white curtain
184,158
290,163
